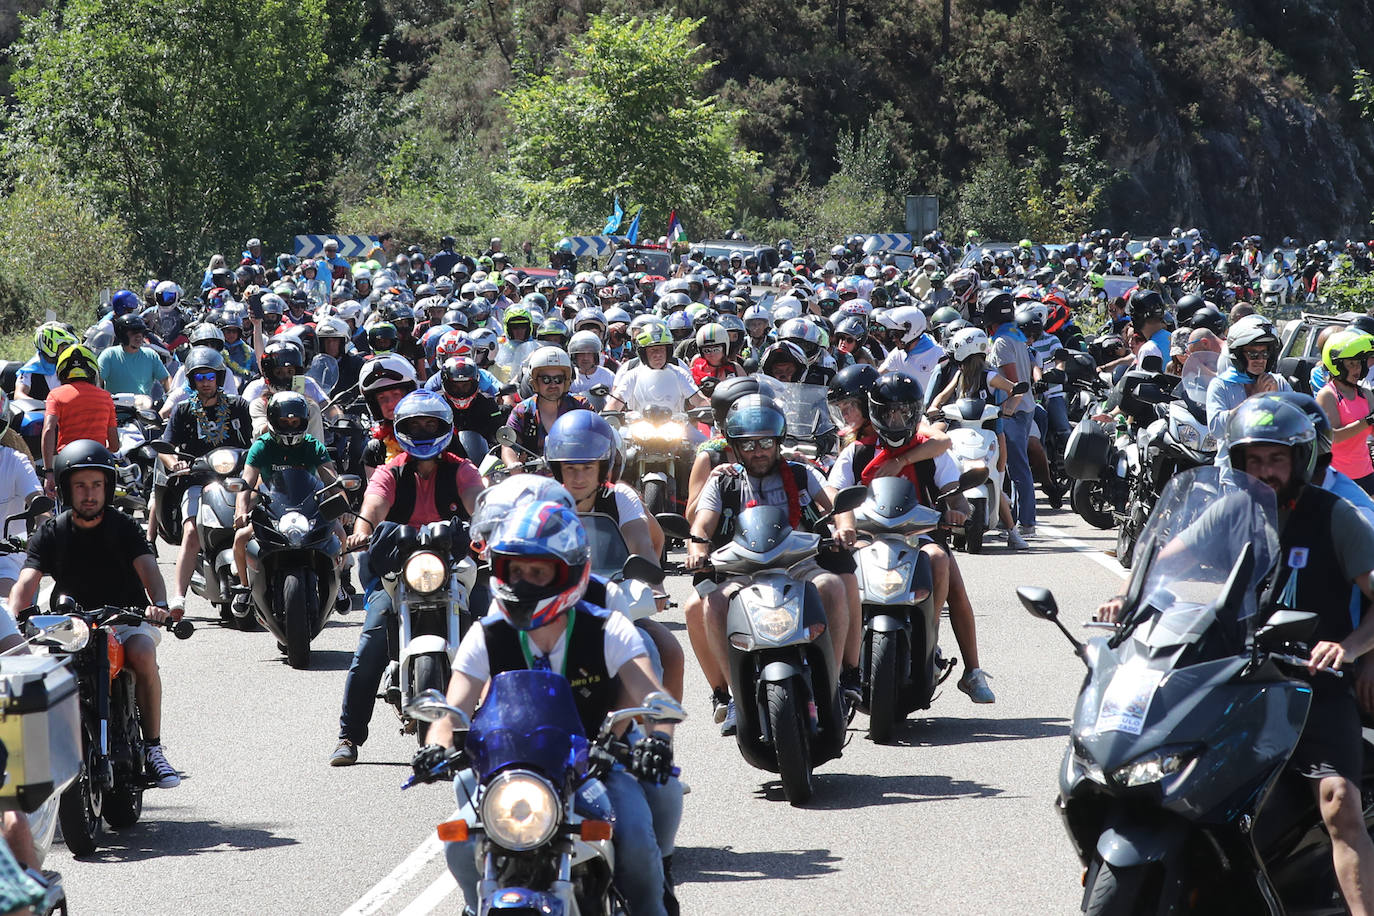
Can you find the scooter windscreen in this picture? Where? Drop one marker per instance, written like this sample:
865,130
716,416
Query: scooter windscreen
765,537
893,505
1201,526
609,552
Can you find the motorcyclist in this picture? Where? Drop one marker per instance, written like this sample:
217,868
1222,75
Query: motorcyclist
916,353
239,357
713,345
550,372
282,367
423,484
78,408
332,337
584,349
654,382
97,556
1349,404
1252,347
754,428
472,410
1326,553
211,418
540,561
132,367
384,381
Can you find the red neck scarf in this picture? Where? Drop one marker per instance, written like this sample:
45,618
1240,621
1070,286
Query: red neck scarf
789,486
884,453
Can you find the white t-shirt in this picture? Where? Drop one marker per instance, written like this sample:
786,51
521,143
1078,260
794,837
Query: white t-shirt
628,505
920,363
621,643
584,383
17,481
642,387
843,474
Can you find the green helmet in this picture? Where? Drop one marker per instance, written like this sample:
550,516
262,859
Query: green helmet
516,313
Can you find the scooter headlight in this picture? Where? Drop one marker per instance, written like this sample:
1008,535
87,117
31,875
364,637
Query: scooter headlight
520,811
1154,767
888,582
425,572
777,622
222,461
294,527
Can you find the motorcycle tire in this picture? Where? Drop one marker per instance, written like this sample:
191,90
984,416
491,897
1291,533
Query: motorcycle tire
429,671
790,743
1088,501
123,806
884,687
976,526
296,598
1119,892
1125,544
657,498
79,810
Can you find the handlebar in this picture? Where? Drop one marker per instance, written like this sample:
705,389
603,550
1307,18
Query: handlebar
113,616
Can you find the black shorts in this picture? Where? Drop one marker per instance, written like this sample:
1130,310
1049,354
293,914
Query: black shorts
1331,743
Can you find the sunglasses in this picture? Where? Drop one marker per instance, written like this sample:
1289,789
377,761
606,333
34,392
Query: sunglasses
551,379
204,376
1256,353
750,445
713,348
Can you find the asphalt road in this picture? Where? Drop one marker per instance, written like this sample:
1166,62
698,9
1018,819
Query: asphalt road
954,817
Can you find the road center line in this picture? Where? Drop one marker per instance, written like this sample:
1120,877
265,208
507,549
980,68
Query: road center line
388,887
1093,553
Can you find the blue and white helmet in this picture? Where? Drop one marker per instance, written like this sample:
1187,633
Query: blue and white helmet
423,403
539,531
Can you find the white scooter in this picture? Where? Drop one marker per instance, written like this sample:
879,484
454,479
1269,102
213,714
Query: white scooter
972,423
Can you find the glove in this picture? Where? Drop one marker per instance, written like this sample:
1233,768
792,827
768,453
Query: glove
652,759
427,758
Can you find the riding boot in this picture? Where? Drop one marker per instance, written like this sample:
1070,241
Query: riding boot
670,904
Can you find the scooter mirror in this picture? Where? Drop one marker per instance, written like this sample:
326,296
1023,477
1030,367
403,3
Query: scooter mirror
1286,626
37,504
67,634
1039,601
643,569
506,436
431,706
974,475
850,498
235,484
674,525
162,447
599,391
1020,388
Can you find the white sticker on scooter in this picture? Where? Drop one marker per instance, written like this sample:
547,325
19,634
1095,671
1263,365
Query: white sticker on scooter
1126,701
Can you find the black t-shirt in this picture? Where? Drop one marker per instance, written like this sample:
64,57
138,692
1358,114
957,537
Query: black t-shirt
94,566
226,425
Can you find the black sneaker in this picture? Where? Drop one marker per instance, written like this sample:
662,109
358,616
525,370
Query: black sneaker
851,685
242,602
163,774
720,701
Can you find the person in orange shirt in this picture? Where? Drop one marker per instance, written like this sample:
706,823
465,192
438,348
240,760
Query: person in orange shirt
77,409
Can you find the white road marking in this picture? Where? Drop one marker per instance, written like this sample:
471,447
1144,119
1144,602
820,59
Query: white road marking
389,886
432,896
1094,553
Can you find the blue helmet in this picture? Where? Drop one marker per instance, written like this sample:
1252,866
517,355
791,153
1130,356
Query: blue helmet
124,301
539,531
579,437
419,404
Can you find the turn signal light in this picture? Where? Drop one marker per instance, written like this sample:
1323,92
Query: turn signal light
595,831
453,831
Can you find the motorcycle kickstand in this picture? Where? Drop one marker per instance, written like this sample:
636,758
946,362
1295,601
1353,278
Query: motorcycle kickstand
948,669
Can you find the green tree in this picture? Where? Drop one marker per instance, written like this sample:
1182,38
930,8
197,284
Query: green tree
196,122
624,113
861,196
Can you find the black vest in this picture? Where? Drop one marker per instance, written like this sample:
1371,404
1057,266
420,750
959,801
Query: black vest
593,688
731,490
1307,561
447,501
605,503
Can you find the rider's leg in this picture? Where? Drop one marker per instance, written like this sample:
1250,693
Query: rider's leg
832,596
961,617
17,835
241,538
1351,849
670,655
186,559
140,653
461,857
855,634
716,607
707,659
939,575
638,863
365,672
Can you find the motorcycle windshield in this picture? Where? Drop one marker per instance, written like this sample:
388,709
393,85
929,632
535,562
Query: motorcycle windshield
293,488
529,719
609,552
658,389
324,369
1203,521
1272,271
808,414
1198,373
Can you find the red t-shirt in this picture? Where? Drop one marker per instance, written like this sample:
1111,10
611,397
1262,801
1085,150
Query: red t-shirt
383,484
83,411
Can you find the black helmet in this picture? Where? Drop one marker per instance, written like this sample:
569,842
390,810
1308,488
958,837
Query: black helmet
1362,323
288,417
894,406
205,359
126,324
1028,321
1187,306
1145,305
382,337
1269,421
755,416
728,392
277,357
1321,425
1210,317
79,455
998,307
853,382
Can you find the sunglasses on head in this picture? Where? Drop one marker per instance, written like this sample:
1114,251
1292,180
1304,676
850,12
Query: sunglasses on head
749,445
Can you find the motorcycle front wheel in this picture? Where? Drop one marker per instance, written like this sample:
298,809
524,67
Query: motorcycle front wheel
790,743
1088,500
79,810
884,687
429,672
1123,891
297,595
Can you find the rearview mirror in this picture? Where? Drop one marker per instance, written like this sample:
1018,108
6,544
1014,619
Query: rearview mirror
674,525
643,569
850,498
162,447
506,436
37,504
1286,626
665,708
67,634
1020,388
973,476
1039,601
598,391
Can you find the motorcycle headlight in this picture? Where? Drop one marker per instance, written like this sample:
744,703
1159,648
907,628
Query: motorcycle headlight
672,432
1187,435
520,811
222,461
1153,767
777,622
642,429
294,527
1210,443
425,572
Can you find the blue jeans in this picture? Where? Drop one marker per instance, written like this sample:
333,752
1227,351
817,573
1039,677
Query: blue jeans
1058,410
369,662
645,815
1016,429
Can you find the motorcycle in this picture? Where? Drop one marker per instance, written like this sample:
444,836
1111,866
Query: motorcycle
1173,788
544,824
1276,287
899,658
430,593
629,579
782,667
138,422
112,777
293,556
658,440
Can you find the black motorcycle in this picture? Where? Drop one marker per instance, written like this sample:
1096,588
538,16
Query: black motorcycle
113,775
293,557
1174,788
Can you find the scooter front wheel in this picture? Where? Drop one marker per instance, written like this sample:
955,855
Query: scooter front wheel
790,743
1121,891
884,691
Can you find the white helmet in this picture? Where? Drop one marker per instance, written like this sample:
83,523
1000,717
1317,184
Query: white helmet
585,342
386,372
486,286
805,335
966,342
349,310
785,309
333,326
549,358
908,319
1251,329
167,293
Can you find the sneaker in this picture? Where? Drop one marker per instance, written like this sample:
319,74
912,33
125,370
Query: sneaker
975,684
159,770
1015,541
1055,495
178,603
242,603
1026,531
728,725
345,755
720,702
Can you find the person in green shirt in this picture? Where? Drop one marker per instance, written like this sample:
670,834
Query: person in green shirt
130,367
286,444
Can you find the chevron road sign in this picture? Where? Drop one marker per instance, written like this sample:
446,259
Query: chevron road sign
350,246
590,245
895,241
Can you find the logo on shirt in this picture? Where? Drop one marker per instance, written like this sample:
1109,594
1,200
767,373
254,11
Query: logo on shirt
1297,558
